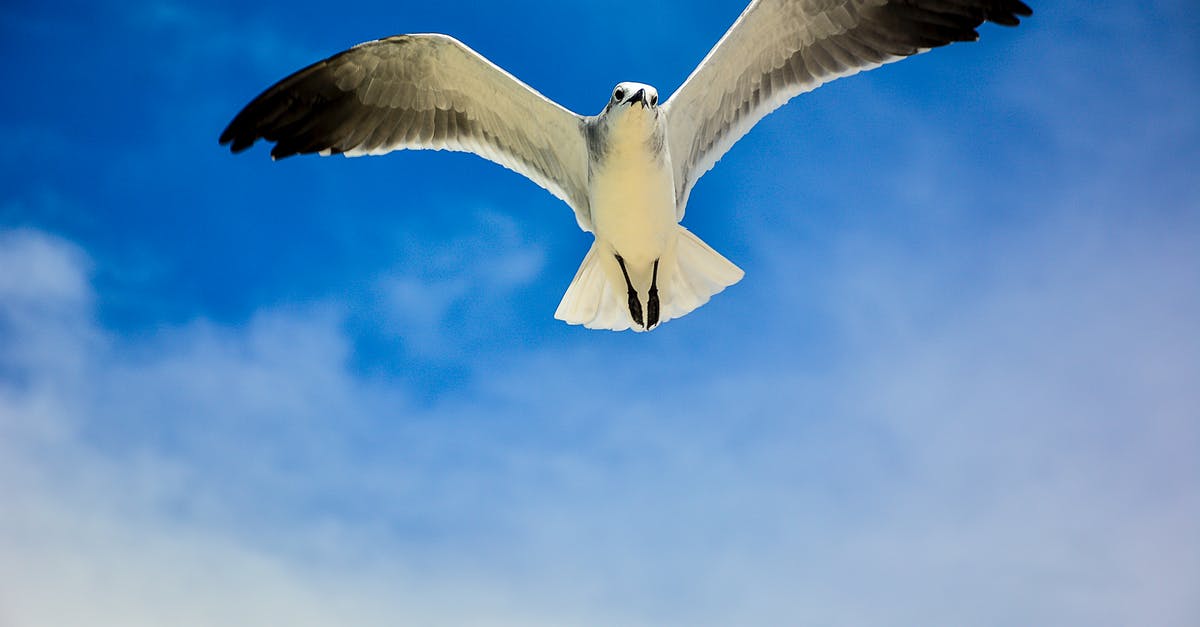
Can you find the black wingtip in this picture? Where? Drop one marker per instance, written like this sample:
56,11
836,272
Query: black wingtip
237,141
237,147
1010,14
283,150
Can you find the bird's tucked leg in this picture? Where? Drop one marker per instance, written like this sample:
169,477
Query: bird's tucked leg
652,300
635,305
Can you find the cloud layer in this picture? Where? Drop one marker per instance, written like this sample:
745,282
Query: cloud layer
1025,455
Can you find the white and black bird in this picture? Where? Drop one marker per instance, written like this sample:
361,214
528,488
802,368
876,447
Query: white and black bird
626,172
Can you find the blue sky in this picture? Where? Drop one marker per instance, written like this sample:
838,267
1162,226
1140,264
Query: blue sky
957,385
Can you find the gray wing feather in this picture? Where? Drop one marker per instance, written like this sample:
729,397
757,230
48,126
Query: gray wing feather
420,92
779,49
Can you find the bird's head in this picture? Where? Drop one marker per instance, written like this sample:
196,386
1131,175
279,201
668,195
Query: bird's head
637,97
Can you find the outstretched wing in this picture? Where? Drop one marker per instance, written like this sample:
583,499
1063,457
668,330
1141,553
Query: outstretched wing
420,91
779,49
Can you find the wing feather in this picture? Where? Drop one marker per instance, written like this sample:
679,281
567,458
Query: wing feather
779,49
420,92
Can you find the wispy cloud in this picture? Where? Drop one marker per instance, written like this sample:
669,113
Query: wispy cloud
1033,440
429,299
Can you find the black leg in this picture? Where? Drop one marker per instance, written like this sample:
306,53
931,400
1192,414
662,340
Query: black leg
652,300
635,305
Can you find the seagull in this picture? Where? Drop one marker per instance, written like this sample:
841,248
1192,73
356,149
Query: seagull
627,172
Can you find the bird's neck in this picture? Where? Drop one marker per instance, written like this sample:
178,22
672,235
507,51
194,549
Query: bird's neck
636,135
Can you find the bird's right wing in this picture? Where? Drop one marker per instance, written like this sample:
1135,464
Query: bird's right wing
778,49
420,91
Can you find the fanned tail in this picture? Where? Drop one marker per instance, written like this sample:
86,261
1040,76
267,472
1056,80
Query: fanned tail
592,300
689,274
699,273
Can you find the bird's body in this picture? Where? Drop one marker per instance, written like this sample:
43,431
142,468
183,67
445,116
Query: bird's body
632,194
632,190
627,172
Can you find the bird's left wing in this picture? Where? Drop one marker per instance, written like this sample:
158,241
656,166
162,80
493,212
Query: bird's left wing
778,49
420,91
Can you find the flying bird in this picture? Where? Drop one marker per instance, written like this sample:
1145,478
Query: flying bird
626,172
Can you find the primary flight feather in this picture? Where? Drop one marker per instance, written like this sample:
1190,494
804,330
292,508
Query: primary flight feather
626,172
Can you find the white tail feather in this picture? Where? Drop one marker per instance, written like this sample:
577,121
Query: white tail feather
689,274
700,272
591,299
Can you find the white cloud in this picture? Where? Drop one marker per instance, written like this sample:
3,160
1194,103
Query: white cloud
37,270
427,301
1029,457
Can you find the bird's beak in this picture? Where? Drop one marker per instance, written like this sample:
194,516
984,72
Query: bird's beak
640,96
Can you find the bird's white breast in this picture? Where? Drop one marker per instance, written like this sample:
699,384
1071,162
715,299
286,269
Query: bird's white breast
633,193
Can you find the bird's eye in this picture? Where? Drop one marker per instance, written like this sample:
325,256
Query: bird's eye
654,100
619,94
